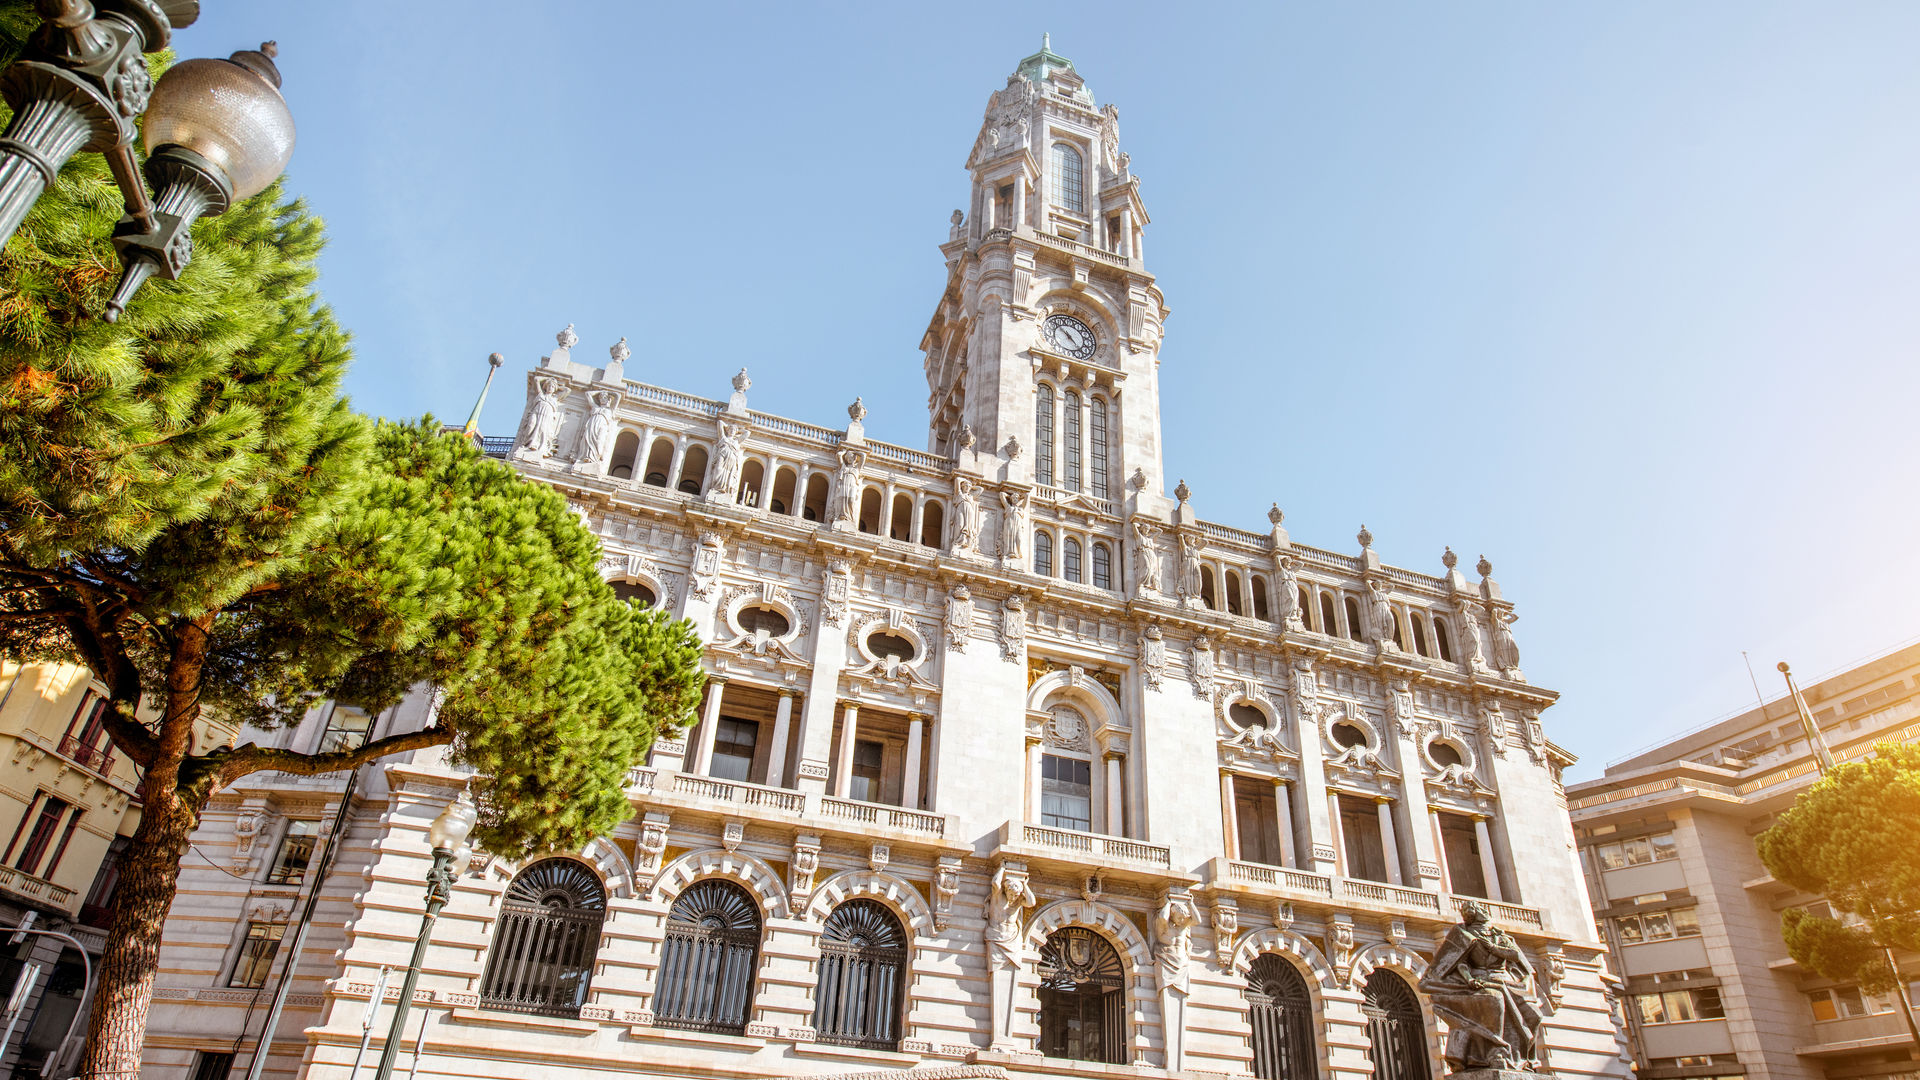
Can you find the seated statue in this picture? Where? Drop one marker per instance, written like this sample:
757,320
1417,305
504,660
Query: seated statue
1478,983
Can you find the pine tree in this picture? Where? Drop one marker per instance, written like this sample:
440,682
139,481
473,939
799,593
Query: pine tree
189,508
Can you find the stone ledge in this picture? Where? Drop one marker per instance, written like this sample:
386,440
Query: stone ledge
502,1018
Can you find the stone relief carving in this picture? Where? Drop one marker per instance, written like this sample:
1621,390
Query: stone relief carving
1013,526
843,511
1146,554
1306,694
1534,735
959,618
968,517
245,828
595,441
1553,976
1506,651
801,870
1173,934
706,565
540,424
1067,729
946,886
649,850
1009,112
1493,721
1200,667
1340,929
833,595
732,833
1400,722
1013,629
878,855
1006,899
729,458
1153,658
1226,926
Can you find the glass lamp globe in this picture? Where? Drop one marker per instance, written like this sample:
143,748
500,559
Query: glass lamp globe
229,112
449,831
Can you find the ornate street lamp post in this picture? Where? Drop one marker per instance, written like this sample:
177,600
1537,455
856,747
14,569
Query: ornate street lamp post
216,130
448,835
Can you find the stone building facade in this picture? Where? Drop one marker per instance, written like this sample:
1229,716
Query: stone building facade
1693,916
1009,762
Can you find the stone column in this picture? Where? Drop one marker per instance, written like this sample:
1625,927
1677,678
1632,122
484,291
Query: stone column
910,781
1489,868
777,755
1033,779
679,459
1283,813
702,762
843,770
1019,205
1229,815
1339,834
1440,849
1116,805
1126,230
1388,841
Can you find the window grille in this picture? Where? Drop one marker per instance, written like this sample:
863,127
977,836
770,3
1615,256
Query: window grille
1071,479
1070,559
1043,554
1083,991
546,940
1281,1013
1396,1034
1043,434
707,962
1097,445
1102,566
863,960
1069,179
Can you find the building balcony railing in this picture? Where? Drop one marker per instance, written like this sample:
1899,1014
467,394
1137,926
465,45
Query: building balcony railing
33,888
1075,846
94,758
1324,888
823,811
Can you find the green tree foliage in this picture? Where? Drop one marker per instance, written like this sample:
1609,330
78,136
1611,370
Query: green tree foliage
1854,838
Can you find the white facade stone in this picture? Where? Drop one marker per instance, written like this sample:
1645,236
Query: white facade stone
1150,666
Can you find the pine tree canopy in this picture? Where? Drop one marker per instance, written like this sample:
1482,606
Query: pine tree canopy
1854,838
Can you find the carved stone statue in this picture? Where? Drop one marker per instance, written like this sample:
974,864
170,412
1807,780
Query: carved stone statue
1380,615
1291,616
1173,933
1006,900
595,441
844,510
968,517
541,423
1506,651
1146,553
1189,583
959,218
1478,982
1013,628
1013,526
728,459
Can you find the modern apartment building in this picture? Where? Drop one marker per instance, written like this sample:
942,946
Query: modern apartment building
1692,915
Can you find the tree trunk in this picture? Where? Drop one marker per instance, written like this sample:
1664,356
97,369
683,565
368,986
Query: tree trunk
149,877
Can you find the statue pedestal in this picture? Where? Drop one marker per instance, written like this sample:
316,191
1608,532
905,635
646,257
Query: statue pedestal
1500,1074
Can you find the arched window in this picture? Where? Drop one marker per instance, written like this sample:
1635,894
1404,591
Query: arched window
753,484
933,524
1043,434
1083,998
708,959
784,482
1043,554
1070,479
1419,632
1329,622
1353,620
659,461
1281,1013
625,449
863,964
870,510
1069,180
1208,595
546,939
1097,447
816,504
693,470
634,591
1396,1034
1233,593
900,523
1070,559
1440,639
1259,597
1102,566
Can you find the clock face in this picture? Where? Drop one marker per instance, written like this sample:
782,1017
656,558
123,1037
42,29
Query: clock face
1070,336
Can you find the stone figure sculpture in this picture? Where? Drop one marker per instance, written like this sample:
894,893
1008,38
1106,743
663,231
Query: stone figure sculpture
728,460
1506,651
967,516
595,442
1478,983
1473,640
1153,657
1380,614
1013,525
1189,568
1006,900
541,422
844,511
1289,594
1173,931
1146,551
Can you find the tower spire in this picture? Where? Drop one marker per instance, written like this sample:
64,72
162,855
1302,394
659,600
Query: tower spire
472,430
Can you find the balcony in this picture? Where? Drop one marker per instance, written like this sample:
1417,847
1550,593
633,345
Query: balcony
97,759
1085,848
1287,883
40,889
802,808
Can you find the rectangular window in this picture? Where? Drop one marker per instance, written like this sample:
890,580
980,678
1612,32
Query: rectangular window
1360,828
346,729
733,745
867,760
1066,793
1636,852
296,851
46,825
1680,1006
255,962
212,1065
1256,816
1659,925
1461,843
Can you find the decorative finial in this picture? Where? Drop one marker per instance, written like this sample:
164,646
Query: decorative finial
1276,515
1013,448
1138,481
966,436
1449,559
1485,567
1046,42
1365,537
741,382
958,217
567,338
619,352
496,359
857,410
1183,492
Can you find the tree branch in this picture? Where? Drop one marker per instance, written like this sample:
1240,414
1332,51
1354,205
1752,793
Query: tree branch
250,758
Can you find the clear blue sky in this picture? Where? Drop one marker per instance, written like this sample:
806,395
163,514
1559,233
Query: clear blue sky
1622,295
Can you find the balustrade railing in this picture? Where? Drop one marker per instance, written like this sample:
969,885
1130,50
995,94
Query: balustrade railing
739,794
1382,893
97,758
1084,843
1280,877
895,817
1525,918
24,884
674,398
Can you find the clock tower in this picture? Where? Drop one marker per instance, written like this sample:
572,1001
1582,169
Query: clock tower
1042,357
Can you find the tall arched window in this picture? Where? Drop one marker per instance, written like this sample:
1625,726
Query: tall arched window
863,963
1281,1013
1440,639
1097,447
1329,623
1102,566
1396,1034
1043,434
1419,632
1353,620
1070,559
1083,998
1069,180
1071,478
1043,554
707,962
546,939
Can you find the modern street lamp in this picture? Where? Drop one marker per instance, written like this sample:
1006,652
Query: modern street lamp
448,835
216,130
